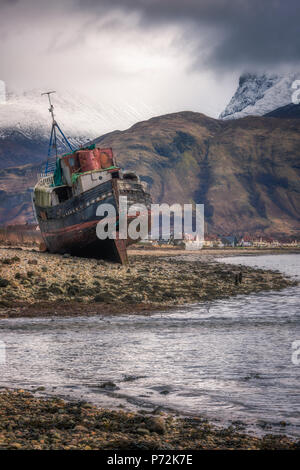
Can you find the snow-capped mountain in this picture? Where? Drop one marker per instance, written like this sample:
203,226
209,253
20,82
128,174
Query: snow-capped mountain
257,95
80,118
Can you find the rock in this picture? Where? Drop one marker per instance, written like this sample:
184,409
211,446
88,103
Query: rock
156,425
143,431
73,290
107,298
80,428
88,406
109,385
55,290
4,282
42,293
31,273
16,445
7,261
33,261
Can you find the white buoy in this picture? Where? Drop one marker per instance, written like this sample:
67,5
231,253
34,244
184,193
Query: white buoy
2,92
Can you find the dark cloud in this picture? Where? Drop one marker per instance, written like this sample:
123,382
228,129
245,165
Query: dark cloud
222,33
8,2
135,48
242,32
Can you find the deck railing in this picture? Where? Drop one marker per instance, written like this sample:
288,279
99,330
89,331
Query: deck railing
49,168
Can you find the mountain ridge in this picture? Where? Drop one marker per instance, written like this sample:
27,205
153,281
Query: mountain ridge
289,111
245,171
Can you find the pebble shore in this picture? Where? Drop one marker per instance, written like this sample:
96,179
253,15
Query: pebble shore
27,422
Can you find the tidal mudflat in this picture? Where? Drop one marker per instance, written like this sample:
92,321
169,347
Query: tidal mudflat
43,284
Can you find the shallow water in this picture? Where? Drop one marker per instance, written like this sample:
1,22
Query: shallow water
228,360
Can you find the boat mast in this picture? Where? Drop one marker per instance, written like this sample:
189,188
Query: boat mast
54,128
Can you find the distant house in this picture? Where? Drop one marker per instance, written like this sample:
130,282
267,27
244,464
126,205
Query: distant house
246,241
262,242
212,241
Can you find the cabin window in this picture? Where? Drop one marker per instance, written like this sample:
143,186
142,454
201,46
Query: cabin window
63,193
130,176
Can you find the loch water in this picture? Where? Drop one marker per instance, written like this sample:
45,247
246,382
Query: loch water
229,361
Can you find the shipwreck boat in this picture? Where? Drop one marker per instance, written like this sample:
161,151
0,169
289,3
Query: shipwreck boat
70,190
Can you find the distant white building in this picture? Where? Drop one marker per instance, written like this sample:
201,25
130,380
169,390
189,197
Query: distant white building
246,241
193,242
2,92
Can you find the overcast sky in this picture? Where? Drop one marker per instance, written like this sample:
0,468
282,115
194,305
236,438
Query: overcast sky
175,54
